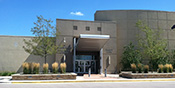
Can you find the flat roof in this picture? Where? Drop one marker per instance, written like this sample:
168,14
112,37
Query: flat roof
86,21
134,10
17,36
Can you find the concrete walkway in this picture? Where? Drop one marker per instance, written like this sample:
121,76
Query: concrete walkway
85,78
5,79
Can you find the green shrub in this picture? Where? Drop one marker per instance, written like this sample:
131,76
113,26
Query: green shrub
5,74
45,68
26,68
160,68
170,68
11,73
139,68
63,67
35,68
146,69
55,67
166,68
130,56
133,68
30,68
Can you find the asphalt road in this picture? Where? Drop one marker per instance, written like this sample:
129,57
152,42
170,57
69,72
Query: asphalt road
94,85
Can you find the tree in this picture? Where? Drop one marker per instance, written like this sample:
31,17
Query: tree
44,41
171,59
130,56
152,46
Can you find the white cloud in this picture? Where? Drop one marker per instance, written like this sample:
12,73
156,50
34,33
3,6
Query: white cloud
77,13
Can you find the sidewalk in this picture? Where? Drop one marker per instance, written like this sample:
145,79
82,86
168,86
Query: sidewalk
85,78
5,79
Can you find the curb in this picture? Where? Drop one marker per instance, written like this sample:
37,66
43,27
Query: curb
84,81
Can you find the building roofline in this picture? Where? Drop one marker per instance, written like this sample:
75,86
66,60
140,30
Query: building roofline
16,36
86,21
135,10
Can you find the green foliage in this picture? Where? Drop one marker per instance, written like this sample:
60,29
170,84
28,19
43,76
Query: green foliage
151,45
43,44
25,71
26,68
140,68
146,68
133,68
4,74
172,58
170,68
11,73
160,69
7,73
35,68
63,67
166,68
55,67
45,68
30,68
130,56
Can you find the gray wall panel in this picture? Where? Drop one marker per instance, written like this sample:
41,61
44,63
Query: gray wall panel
12,55
127,32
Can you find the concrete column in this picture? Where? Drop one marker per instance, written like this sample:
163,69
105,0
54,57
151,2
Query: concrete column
74,56
101,61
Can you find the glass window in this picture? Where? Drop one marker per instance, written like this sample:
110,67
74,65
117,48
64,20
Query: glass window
85,57
98,28
87,28
75,27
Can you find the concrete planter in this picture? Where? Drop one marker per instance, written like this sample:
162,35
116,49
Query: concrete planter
147,75
44,76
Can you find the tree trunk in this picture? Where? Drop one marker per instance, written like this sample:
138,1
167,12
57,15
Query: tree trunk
152,65
45,56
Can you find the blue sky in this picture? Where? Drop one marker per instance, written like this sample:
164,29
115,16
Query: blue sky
17,16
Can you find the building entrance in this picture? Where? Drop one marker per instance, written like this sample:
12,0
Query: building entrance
88,53
84,62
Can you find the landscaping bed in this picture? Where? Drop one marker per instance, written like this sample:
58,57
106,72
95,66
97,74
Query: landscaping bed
147,75
44,76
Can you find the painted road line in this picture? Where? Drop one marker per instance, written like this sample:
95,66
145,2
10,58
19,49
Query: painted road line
81,81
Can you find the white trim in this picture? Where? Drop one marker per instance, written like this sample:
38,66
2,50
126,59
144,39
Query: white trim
94,36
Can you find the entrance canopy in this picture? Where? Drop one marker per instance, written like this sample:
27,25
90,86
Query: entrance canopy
89,42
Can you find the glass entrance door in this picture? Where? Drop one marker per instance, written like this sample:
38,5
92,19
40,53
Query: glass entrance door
84,62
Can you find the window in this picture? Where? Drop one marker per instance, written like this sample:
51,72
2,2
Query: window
85,57
98,28
75,27
87,28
